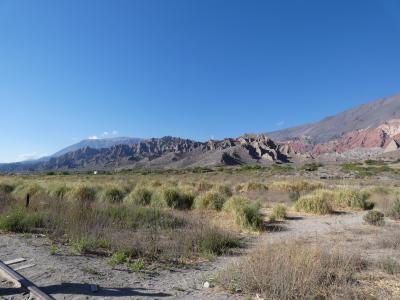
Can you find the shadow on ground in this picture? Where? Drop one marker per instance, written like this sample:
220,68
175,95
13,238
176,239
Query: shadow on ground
84,289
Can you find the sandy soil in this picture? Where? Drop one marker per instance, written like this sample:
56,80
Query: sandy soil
68,276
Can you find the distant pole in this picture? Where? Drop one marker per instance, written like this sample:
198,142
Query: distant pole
27,200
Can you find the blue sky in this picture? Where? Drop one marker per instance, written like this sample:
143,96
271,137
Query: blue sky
197,69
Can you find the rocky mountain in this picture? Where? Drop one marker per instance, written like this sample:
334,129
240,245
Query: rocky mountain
369,129
98,144
166,152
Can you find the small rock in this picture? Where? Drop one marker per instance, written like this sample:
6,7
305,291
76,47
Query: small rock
207,285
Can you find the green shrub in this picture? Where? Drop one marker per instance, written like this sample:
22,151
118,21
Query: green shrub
117,258
217,242
18,219
139,196
113,195
86,245
210,200
247,213
374,217
136,265
84,194
176,199
318,202
278,212
6,188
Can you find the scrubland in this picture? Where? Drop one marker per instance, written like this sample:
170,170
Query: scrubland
147,220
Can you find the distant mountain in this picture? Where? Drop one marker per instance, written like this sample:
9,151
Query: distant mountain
160,153
98,144
370,115
364,131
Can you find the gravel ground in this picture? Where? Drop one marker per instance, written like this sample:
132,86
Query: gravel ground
68,276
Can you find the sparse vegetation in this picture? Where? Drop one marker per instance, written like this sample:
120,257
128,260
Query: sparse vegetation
247,213
279,212
318,202
139,196
210,200
374,217
294,270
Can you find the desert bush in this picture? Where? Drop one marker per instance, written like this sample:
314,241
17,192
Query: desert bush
139,196
318,202
6,188
295,186
134,217
374,217
93,246
18,219
394,210
294,270
247,213
84,194
215,241
210,200
175,198
278,212
113,195
351,198
251,186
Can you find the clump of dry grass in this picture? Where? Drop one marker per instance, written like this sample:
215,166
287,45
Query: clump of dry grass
210,200
83,194
31,188
173,198
318,202
247,213
351,198
279,212
293,270
296,186
139,196
374,217
113,194
251,186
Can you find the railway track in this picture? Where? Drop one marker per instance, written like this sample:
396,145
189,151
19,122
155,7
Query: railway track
13,284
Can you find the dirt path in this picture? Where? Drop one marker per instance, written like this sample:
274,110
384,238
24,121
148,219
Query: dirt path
69,276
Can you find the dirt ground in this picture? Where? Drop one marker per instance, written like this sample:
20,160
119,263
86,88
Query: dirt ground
68,276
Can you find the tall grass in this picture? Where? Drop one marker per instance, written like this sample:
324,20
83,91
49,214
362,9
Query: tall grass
293,270
210,200
247,214
318,202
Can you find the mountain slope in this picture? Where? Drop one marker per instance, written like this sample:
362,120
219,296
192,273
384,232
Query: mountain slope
166,152
98,144
370,115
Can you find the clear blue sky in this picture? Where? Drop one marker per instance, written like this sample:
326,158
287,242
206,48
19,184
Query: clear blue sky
197,69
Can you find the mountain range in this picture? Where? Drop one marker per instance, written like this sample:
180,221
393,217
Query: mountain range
369,130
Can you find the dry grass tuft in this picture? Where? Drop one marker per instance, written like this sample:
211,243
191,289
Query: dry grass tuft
294,270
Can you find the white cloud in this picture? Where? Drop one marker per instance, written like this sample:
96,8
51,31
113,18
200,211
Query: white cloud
280,123
93,137
114,132
105,133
